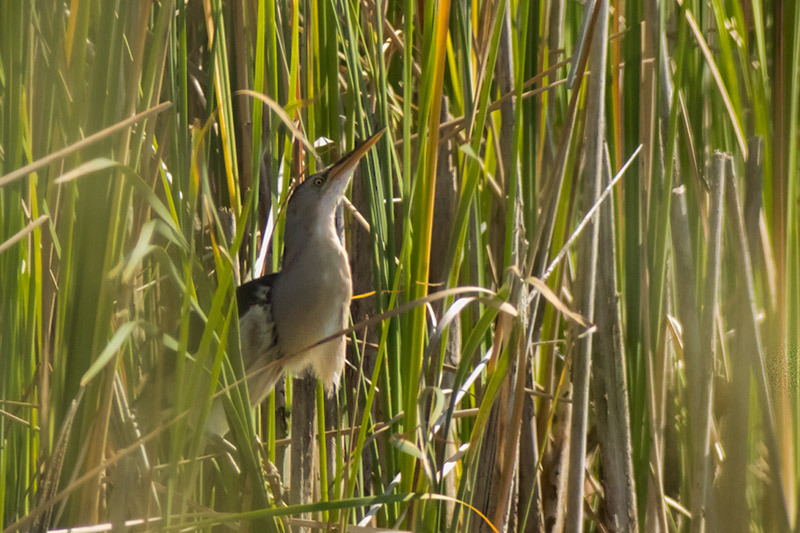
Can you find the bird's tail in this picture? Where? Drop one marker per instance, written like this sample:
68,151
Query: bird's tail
263,380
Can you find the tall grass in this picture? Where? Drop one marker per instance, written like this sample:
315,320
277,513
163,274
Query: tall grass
576,248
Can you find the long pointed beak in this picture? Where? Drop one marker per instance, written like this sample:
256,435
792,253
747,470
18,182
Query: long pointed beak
340,172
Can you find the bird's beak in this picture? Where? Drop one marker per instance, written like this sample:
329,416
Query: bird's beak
339,174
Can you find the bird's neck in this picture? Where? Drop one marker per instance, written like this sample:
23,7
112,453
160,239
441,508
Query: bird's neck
318,242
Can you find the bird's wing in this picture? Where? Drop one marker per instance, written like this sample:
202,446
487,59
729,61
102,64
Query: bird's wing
259,337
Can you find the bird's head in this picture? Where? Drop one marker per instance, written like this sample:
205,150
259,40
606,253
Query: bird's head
313,202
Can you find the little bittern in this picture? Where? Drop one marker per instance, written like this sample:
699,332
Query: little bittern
283,315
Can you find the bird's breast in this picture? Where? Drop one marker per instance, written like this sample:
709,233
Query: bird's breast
311,302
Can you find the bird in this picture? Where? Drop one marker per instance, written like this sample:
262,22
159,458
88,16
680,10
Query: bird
283,316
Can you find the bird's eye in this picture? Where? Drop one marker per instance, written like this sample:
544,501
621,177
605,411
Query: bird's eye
318,181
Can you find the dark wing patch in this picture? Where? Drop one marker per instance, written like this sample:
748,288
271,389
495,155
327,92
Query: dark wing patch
259,336
256,292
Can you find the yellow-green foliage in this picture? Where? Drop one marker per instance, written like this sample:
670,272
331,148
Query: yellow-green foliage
147,150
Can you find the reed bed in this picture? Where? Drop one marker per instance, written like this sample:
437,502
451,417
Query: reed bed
576,253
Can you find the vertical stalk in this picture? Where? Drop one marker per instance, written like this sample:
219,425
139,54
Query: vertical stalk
702,463
611,388
588,275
